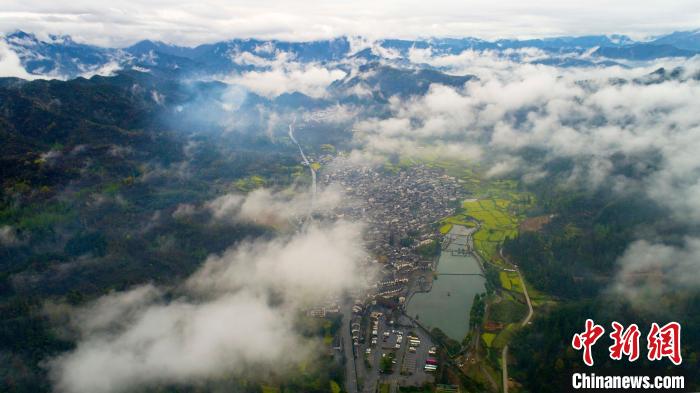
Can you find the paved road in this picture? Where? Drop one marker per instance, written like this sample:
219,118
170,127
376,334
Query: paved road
505,369
350,373
527,297
525,321
311,169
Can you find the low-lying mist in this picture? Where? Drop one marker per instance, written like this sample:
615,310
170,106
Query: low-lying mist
235,314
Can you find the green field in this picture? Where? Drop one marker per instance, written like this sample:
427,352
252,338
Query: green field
497,207
460,219
505,281
249,183
445,228
497,222
510,281
488,338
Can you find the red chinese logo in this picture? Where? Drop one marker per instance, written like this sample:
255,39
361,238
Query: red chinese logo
665,342
626,341
662,342
586,340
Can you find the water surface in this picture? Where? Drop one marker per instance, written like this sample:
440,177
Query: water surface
449,302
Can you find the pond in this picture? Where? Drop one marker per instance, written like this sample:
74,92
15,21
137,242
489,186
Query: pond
450,299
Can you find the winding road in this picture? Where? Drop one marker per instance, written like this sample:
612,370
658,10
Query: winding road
504,353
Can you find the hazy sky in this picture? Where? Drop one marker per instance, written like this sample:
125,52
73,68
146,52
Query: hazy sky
188,22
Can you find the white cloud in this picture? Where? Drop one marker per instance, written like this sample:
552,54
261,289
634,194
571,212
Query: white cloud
8,236
288,77
306,267
184,210
209,20
572,113
263,206
10,65
576,114
178,342
337,114
107,69
651,270
236,313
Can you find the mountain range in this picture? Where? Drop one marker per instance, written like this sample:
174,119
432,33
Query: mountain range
61,57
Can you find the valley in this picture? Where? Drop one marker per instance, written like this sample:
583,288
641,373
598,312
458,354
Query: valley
343,214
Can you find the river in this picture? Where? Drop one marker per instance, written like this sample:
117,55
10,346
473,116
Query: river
459,278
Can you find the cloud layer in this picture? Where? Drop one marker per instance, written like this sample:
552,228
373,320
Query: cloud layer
588,115
266,207
651,270
283,74
211,20
626,129
10,65
237,312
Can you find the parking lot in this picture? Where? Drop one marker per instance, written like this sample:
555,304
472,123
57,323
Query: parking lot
386,339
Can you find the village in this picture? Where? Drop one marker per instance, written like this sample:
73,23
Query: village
382,346
400,209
